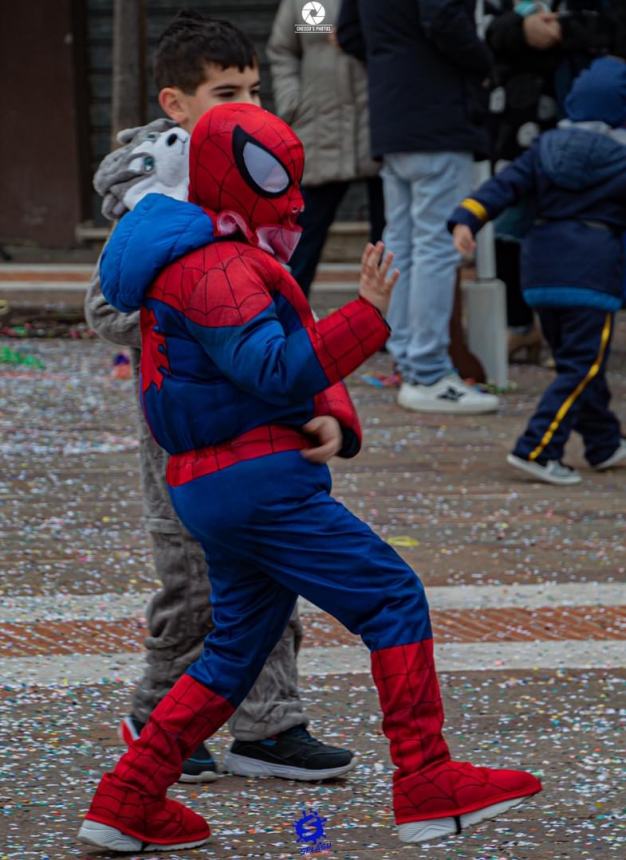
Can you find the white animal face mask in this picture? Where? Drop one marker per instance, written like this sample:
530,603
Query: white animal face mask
152,159
162,160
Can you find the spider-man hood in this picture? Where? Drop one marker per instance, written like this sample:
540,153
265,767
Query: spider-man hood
245,170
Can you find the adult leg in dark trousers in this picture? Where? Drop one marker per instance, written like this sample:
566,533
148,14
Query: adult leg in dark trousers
524,334
465,362
376,203
518,314
320,207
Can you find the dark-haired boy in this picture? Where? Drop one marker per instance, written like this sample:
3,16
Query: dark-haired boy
200,63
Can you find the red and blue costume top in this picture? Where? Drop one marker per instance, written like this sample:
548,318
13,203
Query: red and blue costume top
233,362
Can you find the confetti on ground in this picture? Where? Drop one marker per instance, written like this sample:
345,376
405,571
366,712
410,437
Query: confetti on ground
14,357
404,541
434,487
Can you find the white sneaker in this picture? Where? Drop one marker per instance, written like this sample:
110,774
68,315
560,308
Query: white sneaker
551,472
617,458
449,395
439,828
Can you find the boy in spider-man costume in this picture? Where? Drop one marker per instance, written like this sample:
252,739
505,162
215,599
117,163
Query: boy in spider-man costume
233,366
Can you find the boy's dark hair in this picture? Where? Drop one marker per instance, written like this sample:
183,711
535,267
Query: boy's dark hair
190,42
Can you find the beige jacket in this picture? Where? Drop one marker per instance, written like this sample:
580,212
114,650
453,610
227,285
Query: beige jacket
322,93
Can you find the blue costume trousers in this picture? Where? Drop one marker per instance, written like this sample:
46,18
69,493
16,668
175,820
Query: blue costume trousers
271,532
578,398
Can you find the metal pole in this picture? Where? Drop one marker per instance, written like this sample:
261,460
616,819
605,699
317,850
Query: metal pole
485,299
485,243
128,85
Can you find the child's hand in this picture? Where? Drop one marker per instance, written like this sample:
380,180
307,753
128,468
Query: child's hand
375,286
327,431
463,239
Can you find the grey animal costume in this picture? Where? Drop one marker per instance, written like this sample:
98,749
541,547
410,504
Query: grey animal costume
179,614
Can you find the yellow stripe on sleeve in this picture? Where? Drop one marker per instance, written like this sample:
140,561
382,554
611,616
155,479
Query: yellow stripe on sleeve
475,208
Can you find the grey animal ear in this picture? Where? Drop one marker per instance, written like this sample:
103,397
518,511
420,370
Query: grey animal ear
127,134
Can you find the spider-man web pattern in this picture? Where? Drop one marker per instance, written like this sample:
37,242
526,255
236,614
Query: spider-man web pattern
155,359
427,784
233,366
200,312
133,797
221,181
201,389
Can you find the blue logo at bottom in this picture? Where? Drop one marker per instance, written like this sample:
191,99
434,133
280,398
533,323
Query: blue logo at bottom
310,831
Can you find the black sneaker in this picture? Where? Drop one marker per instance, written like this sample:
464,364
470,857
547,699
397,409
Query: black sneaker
293,754
199,767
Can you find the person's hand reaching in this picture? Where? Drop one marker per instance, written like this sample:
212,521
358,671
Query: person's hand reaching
463,239
375,284
542,30
327,432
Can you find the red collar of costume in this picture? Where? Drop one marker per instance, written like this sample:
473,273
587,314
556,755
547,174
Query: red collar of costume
280,241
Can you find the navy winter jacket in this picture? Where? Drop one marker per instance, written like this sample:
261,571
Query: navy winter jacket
573,255
425,65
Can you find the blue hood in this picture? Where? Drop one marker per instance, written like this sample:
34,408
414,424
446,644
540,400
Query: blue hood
575,158
158,231
599,93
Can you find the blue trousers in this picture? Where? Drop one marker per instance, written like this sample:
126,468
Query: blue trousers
271,531
421,189
578,398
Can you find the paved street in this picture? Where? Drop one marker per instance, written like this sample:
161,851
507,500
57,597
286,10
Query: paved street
526,582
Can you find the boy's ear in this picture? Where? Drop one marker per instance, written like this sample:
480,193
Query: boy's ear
173,103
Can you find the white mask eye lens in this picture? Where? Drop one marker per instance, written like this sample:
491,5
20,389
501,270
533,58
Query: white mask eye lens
264,169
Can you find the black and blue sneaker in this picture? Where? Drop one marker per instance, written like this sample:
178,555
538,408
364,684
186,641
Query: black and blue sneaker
199,767
293,754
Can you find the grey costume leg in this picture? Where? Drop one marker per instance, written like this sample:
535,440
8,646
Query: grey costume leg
179,614
273,705
179,618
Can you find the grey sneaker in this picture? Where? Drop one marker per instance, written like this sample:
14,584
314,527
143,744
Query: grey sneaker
552,472
617,458
450,395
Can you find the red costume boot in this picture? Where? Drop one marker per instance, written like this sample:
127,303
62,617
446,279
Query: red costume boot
434,796
129,811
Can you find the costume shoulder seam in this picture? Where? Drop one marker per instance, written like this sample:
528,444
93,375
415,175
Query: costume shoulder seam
230,292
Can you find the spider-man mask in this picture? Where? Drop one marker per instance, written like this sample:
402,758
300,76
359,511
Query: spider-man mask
245,167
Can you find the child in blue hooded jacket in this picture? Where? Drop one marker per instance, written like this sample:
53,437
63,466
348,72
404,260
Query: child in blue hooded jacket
572,266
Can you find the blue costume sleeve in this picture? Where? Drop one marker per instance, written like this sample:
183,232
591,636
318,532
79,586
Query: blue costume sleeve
232,315
495,195
261,359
